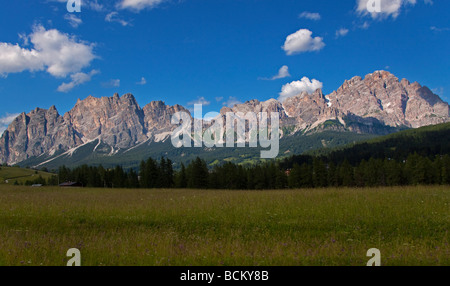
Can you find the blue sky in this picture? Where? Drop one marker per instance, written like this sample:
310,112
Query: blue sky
217,52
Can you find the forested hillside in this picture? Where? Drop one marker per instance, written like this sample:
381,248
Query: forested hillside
410,157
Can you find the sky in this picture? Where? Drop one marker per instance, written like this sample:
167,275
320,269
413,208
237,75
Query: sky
217,53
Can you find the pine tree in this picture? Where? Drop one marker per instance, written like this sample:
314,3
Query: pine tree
64,174
281,180
198,174
446,170
152,173
144,177
306,176
181,178
346,174
294,178
170,174
394,173
360,174
319,173
437,170
332,175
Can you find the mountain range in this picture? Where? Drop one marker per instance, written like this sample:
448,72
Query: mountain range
116,129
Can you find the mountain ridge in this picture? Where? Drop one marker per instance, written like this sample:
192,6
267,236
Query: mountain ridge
378,104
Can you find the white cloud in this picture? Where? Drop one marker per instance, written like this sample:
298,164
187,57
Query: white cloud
219,99
77,79
73,20
310,16
112,83
232,101
5,121
57,53
113,17
282,73
297,87
436,29
301,41
138,5
341,32
142,82
14,59
200,100
388,8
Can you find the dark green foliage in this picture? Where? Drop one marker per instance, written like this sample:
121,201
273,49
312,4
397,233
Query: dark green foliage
346,176
314,173
130,159
446,169
198,174
412,157
426,141
38,181
181,178
319,173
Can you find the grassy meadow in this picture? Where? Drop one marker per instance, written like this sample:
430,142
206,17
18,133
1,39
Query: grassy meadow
234,228
20,175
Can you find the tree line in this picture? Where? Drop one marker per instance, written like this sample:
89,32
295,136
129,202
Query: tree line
295,172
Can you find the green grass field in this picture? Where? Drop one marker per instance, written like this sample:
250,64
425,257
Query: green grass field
195,227
20,175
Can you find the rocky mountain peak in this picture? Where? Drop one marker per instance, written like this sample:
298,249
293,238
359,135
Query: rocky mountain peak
380,75
157,117
156,105
380,99
256,106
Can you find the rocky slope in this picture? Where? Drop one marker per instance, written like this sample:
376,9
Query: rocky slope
380,103
118,122
382,96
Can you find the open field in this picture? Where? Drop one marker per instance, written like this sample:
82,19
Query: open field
20,175
195,227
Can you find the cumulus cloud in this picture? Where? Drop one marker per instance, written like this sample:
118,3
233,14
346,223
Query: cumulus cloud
77,79
387,8
310,16
302,41
6,120
113,17
282,73
297,87
57,53
138,5
341,32
200,100
73,20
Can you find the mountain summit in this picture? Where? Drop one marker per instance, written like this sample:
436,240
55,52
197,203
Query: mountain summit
378,104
